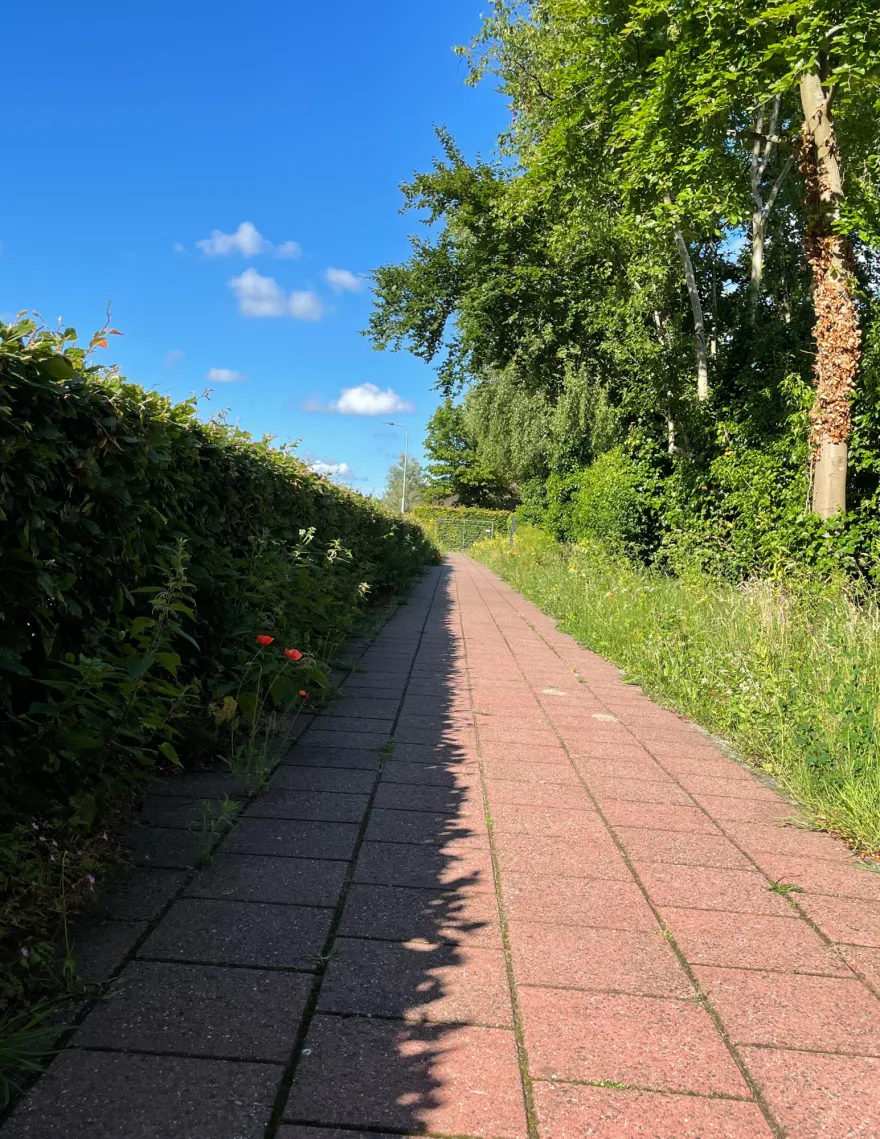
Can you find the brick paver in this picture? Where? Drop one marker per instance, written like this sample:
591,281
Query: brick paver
552,910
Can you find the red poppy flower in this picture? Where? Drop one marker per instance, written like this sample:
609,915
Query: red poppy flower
264,640
304,694
293,654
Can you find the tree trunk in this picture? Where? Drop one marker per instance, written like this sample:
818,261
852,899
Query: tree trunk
763,148
836,331
758,227
697,309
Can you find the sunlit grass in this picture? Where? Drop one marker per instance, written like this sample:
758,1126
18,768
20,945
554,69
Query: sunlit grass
791,675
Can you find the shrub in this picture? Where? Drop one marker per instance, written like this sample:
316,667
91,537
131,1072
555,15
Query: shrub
427,513
615,504
141,552
790,675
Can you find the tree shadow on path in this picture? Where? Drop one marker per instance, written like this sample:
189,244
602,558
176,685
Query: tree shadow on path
413,1030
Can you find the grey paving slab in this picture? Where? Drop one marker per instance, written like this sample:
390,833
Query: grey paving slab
283,881
374,725
322,806
337,738
100,947
433,752
201,930
165,847
199,784
110,1095
449,867
431,774
340,780
417,981
244,1014
452,801
292,838
311,755
353,690
292,1131
137,894
373,708
392,681
393,913
183,812
421,827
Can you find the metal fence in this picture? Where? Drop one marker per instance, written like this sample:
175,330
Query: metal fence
454,533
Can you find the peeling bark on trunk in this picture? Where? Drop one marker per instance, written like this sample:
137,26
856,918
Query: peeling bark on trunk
836,331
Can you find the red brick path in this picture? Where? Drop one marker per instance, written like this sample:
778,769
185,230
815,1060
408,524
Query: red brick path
618,962
553,910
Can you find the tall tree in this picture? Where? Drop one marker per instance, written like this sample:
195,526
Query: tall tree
455,469
692,106
392,496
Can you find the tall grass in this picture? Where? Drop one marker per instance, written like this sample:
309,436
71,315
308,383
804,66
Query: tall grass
791,675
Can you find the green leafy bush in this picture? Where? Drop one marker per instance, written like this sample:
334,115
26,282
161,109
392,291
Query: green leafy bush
614,504
141,551
458,527
427,513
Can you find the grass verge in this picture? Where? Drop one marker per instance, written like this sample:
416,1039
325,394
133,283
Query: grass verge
790,675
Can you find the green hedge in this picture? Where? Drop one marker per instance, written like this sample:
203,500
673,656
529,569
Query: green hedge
428,513
141,551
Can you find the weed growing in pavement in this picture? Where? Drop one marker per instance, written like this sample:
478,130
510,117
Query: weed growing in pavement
785,888
790,675
217,818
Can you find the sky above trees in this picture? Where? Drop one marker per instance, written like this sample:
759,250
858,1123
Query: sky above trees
226,177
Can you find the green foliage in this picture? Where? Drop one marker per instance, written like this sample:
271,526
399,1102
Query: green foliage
614,504
790,676
551,285
458,527
25,1042
392,498
430,511
141,552
456,470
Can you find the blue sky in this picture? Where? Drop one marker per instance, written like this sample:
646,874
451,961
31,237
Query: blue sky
142,130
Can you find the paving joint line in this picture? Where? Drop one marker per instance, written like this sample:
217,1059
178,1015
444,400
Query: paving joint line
175,1055
751,1083
712,1096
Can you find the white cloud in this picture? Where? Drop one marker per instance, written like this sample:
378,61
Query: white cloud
290,250
330,467
343,281
306,306
257,295
172,357
263,296
366,399
224,376
179,247
247,240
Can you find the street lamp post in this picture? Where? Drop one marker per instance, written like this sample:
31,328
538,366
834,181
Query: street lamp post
388,423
